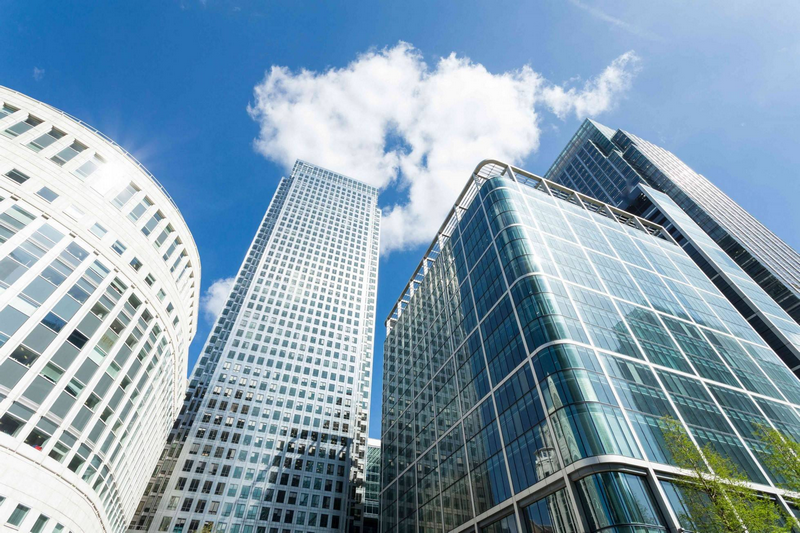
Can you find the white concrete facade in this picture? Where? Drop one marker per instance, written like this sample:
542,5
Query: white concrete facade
99,295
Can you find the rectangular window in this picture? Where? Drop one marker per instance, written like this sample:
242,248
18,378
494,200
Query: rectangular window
137,212
152,223
98,230
24,355
171,249
38,526
118,247
45,140
18,515
163,236
89,167
52,373
126,194
68,153
47,194
21,127
16,175
7,110
10,424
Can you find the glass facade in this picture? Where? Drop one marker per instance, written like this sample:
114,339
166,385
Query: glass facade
531,358
97,311
770,321
608,165
372,487
272,436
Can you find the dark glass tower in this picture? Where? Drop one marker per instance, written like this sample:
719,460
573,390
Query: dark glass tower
609,165
533,353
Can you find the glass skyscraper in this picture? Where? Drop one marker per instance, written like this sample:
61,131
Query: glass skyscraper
273,432
530,360
608,165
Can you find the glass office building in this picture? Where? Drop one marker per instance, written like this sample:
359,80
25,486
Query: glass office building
530,360
372,487
272,435
608,165
99,291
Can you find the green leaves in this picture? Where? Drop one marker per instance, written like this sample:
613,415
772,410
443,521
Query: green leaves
781,457
715,493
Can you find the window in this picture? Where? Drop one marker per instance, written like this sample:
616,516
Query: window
136,264
118,247
163,236
45,140
24,355
140,208
612,498
126,194
47,194
152,223
98,230
21,127
52,373
16,175
7,110
18,515
68,153
89,167
10,425
38,526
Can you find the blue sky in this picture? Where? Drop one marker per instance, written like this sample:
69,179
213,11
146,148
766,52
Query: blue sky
715,83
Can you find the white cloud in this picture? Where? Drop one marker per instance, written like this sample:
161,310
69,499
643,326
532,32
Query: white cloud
388,118
598,94
38,73
215,297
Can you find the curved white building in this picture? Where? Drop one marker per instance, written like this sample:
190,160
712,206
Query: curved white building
99,289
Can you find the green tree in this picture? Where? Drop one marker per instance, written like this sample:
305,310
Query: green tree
781,457
718,500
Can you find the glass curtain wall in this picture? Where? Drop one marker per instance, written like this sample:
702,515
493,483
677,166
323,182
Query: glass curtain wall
544,330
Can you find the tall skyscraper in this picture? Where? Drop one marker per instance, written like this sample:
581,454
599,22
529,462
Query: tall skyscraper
99,290
273,432
531,358
608,165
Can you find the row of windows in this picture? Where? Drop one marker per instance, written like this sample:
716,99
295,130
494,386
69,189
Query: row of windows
59,383
289,370
23,519
178,265
461,394
316,520
174,254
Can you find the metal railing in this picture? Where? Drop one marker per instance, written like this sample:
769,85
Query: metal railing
486,170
